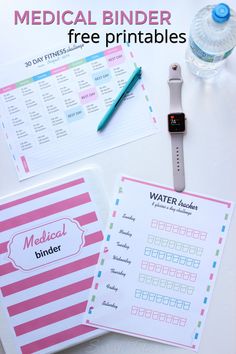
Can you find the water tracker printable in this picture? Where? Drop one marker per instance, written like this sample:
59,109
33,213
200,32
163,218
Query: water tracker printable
51,105
158,263
49,247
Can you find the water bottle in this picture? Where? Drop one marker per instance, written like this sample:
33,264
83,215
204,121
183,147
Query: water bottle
212,39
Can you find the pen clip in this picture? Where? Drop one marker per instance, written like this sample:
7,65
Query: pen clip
136,75
135,78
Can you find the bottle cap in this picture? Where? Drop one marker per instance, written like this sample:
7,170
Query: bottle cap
221,13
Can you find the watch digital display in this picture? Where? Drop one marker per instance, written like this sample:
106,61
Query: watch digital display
176,122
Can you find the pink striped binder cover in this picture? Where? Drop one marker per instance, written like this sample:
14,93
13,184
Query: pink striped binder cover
49,246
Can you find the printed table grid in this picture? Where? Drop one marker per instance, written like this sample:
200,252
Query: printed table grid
171,257
178,229
158,316
175,245
162,299
169,271
165,283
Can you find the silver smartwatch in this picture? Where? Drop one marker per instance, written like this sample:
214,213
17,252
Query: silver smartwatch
176,126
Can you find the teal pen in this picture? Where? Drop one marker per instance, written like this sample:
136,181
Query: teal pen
119,99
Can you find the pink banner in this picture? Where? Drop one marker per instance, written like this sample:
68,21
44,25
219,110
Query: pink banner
7,88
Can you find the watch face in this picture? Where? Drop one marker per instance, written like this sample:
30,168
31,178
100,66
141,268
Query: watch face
176,122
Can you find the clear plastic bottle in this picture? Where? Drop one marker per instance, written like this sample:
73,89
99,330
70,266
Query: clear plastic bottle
212,39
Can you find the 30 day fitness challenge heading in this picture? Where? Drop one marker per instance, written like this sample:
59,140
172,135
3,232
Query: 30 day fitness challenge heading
106,18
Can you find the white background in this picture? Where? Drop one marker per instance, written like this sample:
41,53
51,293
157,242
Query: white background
209,145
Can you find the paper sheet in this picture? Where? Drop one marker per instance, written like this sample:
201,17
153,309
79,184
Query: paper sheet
49,247
158,263
51,104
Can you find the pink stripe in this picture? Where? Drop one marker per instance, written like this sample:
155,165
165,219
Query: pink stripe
87,218
42,194
56,338
45,211
51,318
114,214
60,69
50,297
3,247
211,276
7,268
93,238
123,178
24,163
113,50
49,275
7,88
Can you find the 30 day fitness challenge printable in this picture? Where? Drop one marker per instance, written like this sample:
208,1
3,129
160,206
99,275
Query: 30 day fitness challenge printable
51,105
158,263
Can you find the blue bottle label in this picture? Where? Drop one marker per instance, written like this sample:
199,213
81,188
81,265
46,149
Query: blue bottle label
209,58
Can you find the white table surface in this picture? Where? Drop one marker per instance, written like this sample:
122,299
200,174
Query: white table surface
209,147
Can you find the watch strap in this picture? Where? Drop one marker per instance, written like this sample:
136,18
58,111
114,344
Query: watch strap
178,161
175,84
